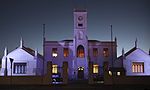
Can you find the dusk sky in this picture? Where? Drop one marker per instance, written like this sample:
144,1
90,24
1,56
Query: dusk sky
24,18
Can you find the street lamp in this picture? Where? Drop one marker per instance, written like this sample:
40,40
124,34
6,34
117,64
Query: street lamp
5,72
11,61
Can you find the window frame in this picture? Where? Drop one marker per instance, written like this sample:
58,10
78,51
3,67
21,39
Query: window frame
54,69
95,52
54,52
95,68
67,52
137,67
19,68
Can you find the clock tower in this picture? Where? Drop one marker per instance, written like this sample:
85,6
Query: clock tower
80,42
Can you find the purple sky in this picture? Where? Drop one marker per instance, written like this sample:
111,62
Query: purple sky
130,20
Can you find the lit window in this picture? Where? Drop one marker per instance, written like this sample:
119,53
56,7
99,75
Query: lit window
54,52
54,69
95,52
105,52
20,68
118,74
95,68
80,51
66,52
110,73
138,67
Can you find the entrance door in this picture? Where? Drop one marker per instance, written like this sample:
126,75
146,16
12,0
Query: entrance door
80,72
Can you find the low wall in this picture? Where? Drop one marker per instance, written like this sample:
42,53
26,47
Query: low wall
123,79
143,80
29,80
35,80
21,80
132,80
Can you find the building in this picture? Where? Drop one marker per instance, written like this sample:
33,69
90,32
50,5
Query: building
22,61
77,59
80,51
136,62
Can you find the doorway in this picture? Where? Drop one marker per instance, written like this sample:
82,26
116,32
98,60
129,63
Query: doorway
80,72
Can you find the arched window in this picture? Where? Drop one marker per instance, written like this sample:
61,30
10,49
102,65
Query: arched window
80,51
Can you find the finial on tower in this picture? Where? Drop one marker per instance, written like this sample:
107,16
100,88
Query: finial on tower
21,42
5,51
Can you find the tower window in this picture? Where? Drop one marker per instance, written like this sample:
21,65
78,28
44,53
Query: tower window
138,67
80,25
95,68
80,51
105,52
55,69
54,52
95,52
66,52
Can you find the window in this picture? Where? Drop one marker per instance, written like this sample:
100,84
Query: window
110,73
66,52
55,69
20,68
54,52
80,25
138,67
80,35
95,68
118,73
105,52
80,51
95,52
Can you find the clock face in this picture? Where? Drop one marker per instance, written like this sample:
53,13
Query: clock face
80,18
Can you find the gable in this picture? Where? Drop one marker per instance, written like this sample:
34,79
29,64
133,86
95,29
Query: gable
20,54
138,54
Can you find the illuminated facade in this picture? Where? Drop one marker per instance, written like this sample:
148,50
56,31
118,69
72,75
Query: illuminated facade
26,62
79,51
136,62
76,59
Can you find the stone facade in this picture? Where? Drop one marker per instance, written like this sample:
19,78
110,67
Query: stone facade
79,51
